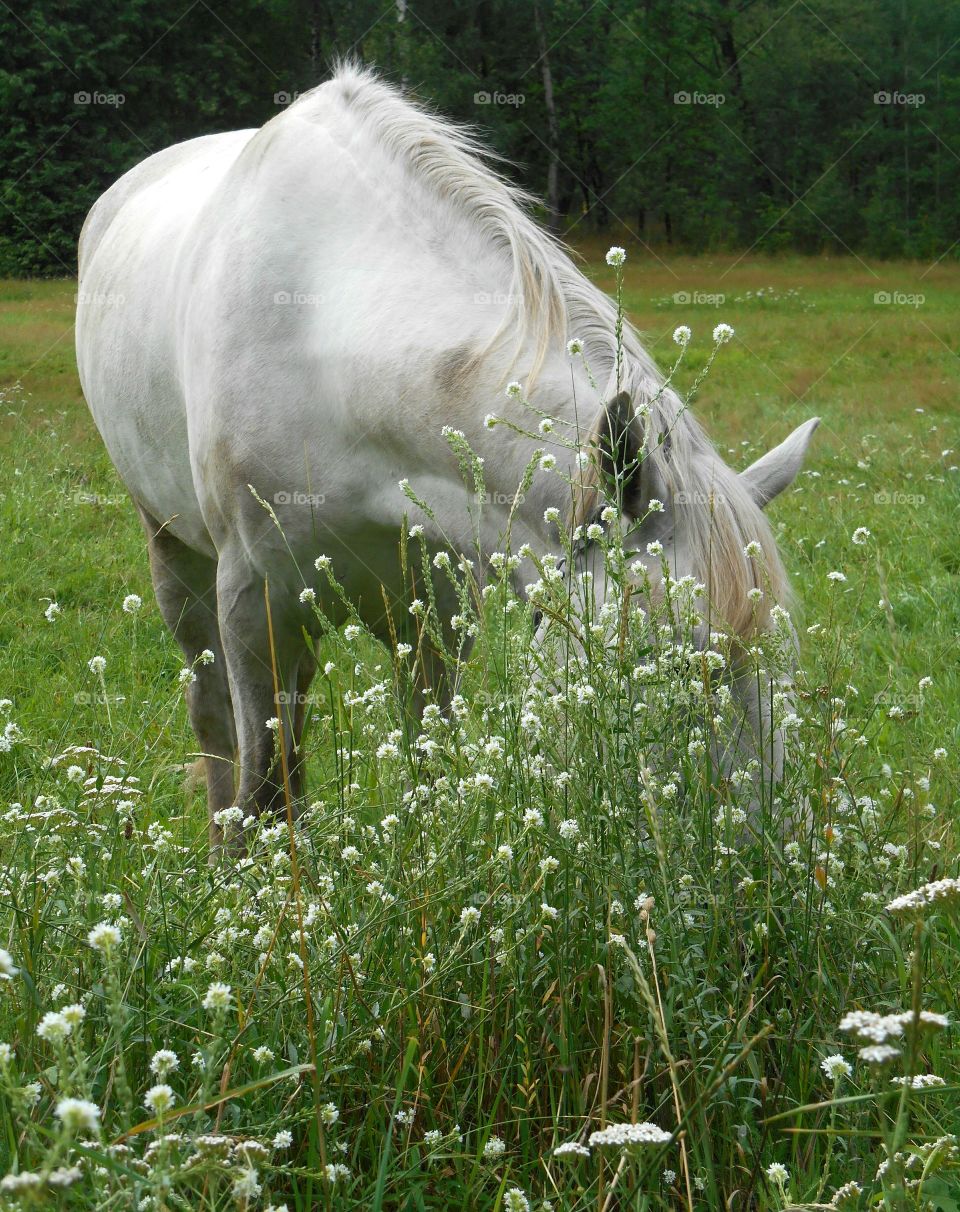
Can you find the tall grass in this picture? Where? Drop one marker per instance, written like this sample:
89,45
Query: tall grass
499,933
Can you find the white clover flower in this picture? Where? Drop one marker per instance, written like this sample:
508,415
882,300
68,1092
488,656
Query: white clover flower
505,853
514,390
329,1114
753,550
625,1135
52,612
616,256
682,335
575,347
722,334
97,664
515,1201
283,1140
74,1014
218,997
206,657
54,1027
777,1173
159,1099
860,536
835,1067
469,916
104,937
132,603
186,677
164,1061
262,1054
429,962
494,1148
78,1115
569,829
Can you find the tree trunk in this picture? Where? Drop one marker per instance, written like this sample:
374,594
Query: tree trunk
553,131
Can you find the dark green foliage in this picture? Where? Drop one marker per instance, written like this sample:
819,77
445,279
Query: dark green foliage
797,154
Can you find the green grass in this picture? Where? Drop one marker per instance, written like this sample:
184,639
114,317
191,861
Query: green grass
543,1031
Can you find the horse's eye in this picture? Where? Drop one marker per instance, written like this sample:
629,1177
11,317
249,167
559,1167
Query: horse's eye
537,619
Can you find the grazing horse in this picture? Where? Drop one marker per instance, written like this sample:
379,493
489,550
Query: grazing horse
293,314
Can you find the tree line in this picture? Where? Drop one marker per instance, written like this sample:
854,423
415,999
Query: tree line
807,125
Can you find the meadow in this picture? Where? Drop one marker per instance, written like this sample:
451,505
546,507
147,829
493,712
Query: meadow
502,936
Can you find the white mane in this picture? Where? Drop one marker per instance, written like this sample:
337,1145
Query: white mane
552,300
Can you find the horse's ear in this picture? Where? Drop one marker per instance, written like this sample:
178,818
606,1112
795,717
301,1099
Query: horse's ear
619,443
778,468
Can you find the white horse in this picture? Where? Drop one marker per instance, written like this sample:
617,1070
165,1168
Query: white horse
300,309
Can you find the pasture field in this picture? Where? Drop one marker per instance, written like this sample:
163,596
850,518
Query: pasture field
500,932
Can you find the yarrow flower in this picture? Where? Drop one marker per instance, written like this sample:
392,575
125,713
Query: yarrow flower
946,891
625,1135
682,336
571,1148
616,256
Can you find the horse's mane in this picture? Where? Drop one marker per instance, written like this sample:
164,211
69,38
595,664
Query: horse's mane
551,298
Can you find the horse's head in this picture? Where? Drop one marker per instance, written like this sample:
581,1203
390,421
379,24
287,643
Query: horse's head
662,526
